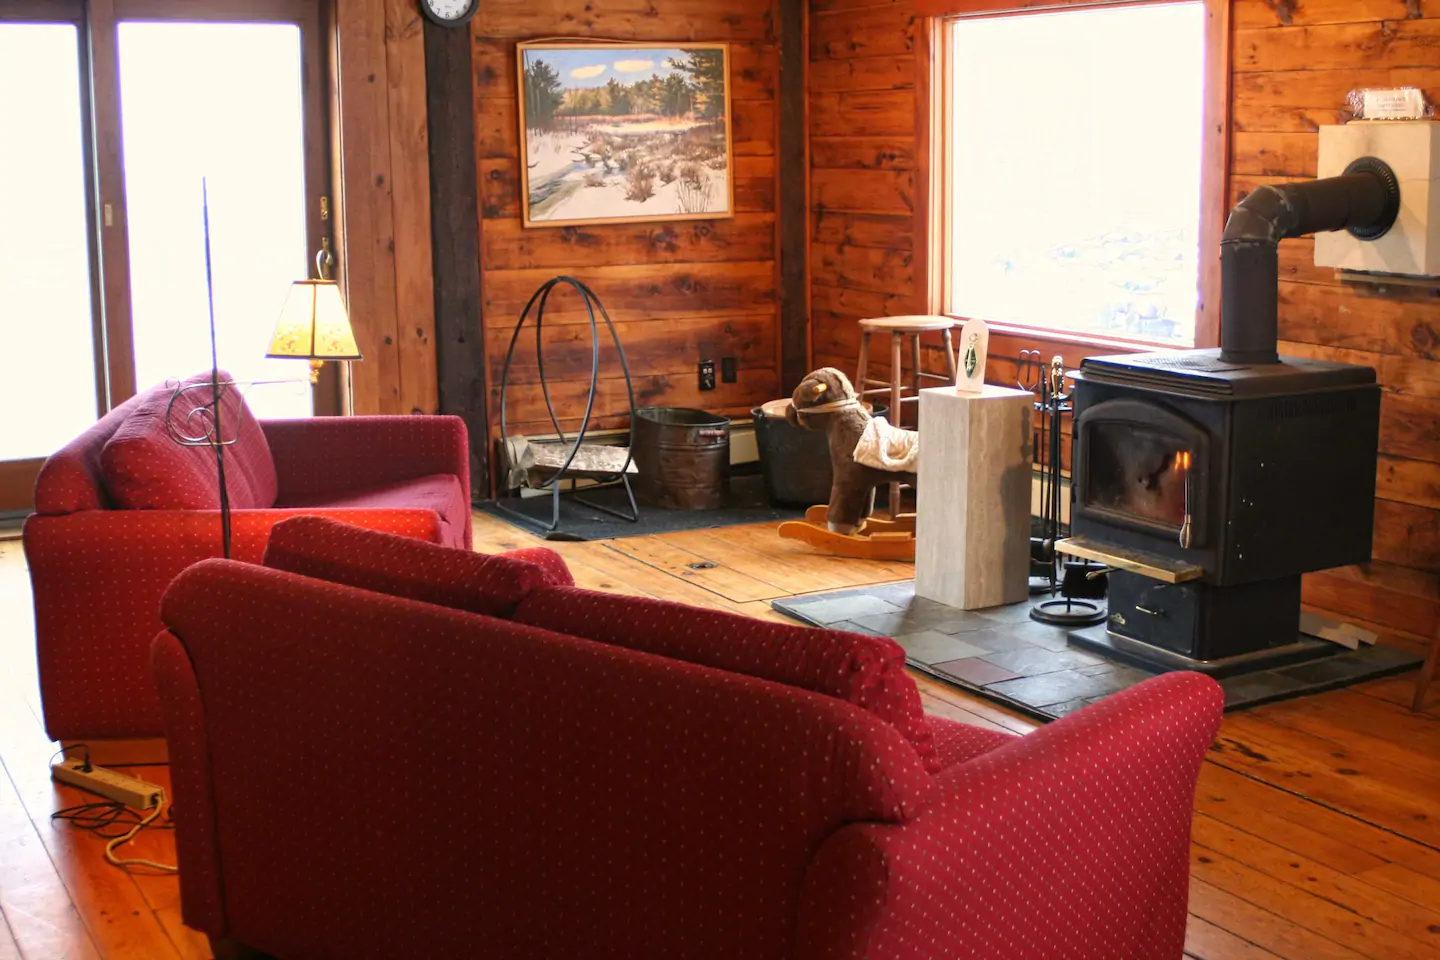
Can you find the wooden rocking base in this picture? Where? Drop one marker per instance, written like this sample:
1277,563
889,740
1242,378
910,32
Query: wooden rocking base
877,539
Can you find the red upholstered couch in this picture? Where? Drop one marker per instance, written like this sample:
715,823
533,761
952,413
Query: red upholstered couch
122,509
371,768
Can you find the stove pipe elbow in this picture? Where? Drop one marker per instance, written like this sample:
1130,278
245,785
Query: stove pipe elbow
1365,200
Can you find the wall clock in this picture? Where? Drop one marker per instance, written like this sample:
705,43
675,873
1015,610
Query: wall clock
449,13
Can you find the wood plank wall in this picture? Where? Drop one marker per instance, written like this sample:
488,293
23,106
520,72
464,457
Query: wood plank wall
864,167
383,236
677,291
1293,62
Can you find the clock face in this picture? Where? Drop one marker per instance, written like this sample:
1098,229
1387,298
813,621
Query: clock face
452,11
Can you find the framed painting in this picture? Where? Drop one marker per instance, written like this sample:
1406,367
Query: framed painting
624,132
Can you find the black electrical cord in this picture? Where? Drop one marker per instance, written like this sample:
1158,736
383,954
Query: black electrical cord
107,819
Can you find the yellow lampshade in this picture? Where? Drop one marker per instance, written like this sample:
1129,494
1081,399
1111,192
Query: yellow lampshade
314,325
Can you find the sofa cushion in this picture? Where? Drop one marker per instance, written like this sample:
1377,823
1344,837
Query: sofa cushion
71,479
329,550
957,742
144,468
440,492
866,671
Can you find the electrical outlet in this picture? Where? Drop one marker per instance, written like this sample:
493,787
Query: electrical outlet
727,370
707,374
133,792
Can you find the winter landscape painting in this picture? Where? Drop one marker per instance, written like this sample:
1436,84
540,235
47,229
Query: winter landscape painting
625,132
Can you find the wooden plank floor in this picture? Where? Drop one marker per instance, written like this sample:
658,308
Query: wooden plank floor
1317,823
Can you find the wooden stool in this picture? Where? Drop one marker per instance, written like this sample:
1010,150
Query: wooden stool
898,328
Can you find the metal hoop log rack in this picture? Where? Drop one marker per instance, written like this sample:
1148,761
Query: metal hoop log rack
574,447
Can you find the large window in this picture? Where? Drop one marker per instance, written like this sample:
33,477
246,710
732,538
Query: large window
1072,199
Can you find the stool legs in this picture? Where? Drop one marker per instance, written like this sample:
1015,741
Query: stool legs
950,367
915,374
863,368
897,408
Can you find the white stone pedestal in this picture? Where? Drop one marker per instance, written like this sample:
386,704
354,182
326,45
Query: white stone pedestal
973,513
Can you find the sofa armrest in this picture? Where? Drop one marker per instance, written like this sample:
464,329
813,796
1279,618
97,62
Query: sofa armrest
1072,841
322,455
97,577
202,900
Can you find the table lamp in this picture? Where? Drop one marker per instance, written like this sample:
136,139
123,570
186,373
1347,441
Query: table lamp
314,326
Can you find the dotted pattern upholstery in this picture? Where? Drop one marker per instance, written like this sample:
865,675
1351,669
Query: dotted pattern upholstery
957,742
145,469
97,574
440,492
199,857
403,567
616,804
866,671
69,480
1070,842
548,560
320,456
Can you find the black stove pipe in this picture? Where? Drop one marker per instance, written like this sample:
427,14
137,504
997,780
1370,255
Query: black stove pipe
1364,200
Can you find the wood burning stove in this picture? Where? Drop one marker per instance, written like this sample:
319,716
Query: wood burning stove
1212,479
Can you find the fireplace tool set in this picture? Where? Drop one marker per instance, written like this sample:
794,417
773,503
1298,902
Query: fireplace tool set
1080,584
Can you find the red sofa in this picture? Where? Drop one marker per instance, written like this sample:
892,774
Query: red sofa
122,509
409,753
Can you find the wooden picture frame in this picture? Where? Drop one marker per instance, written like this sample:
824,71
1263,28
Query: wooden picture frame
624,132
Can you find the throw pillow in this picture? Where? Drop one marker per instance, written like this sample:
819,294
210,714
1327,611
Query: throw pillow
399,566
144,468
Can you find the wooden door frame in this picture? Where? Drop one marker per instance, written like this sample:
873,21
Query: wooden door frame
17,477
931,230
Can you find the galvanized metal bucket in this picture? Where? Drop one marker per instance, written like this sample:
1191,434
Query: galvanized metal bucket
683,456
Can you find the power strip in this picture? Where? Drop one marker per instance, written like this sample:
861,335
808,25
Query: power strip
133,792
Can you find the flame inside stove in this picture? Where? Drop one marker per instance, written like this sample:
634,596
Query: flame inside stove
1182,460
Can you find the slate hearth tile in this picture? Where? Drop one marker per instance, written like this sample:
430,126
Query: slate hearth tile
1031,661
1117,672
1011,613
1068,707
832,609
1051,688
974,670
899,594
851,627
895,624
1253,687
931,646
1329,670
887,624
997,637
1044,635
1117,680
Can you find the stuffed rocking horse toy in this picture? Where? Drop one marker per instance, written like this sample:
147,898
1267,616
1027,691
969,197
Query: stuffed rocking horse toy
865,452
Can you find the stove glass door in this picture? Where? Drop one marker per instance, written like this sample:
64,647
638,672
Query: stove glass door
1138,471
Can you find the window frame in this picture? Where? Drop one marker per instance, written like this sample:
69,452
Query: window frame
933,120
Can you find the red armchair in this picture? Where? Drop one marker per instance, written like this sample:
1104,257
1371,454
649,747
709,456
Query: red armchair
399,778
122,509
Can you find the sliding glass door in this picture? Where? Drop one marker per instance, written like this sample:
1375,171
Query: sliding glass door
219,103
112,112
